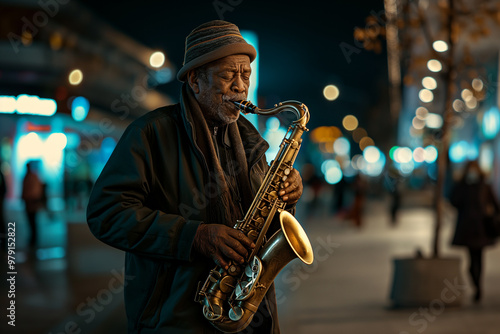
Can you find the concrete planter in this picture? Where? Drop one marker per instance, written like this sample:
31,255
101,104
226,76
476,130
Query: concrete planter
424,282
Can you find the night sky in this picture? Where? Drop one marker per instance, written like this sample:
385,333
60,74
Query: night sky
299,45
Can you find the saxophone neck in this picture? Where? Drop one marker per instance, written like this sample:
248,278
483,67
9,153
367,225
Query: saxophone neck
298,108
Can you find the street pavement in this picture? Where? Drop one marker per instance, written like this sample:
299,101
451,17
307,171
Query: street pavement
346,290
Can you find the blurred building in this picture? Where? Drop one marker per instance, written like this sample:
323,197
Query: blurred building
69,85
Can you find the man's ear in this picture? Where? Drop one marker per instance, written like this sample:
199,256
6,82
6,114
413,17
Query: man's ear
193,81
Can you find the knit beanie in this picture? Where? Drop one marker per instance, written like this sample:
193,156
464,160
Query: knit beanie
211,41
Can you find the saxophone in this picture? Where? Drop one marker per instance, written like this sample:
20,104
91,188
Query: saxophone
231,298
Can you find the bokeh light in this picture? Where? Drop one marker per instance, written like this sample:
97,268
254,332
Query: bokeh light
350,122
391,152
365,142
371,154
458,105
272,124
331,92
471,103
333,175
491,123
422,113
434,65
477,84
157,59
341,146
419,154
75,77
431,154
56,141
467,94
418,123
429,83
79,108
403,155
358,134
434,121
425,95
440,46
458,151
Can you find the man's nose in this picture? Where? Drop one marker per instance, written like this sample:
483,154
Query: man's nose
238,85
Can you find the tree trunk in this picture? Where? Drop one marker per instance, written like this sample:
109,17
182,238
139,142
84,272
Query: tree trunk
448,77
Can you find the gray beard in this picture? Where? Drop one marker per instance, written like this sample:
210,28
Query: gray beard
216,114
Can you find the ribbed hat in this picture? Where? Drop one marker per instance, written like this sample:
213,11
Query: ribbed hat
211,41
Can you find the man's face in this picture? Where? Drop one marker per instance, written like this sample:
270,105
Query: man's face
219,83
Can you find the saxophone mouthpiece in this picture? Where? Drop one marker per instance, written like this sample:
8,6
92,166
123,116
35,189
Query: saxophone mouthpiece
245,106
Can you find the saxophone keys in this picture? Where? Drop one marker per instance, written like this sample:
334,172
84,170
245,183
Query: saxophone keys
264,212
212,313
253,234
286,171
227,284
214,276
235,313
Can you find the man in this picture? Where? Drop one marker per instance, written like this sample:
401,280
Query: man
3,192
33,193
176,183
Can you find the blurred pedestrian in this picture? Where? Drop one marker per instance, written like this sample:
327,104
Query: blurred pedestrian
312,183
356,211
339,197
3,192
33,196
475,202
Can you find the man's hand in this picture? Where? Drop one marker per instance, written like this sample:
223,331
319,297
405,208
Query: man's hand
222,244
292,187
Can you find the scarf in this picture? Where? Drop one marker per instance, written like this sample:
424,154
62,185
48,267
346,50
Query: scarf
222,208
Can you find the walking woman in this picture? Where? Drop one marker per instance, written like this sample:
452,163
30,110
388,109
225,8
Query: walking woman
475,202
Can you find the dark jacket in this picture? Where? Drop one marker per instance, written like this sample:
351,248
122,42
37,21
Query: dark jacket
472,201
149,201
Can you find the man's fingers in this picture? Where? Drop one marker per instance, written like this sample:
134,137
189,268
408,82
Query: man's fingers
231,254
237,246
220,261
242,238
